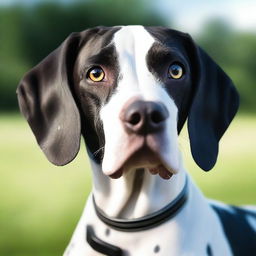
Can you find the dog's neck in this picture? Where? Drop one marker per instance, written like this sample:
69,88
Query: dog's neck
136,194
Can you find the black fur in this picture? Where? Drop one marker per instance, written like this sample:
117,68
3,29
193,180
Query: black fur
241,236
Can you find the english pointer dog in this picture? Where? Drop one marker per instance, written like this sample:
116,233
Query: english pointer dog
128,91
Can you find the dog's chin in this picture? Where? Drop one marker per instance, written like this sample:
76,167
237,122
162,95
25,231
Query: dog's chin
145,153
154,170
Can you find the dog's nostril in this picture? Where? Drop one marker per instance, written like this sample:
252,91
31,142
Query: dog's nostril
135,118
157,117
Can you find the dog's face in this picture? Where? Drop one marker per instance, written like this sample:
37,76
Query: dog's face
133,101
128,90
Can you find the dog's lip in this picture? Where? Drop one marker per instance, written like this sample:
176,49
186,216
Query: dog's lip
162,171
143,154
158,169
117,174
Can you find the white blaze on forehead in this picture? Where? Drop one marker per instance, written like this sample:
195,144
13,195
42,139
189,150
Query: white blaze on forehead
132,45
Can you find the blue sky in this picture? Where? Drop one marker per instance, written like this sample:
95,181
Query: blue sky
190,15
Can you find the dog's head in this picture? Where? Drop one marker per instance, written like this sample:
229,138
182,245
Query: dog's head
128,91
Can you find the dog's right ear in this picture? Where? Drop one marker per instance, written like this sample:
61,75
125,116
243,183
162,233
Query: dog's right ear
46,100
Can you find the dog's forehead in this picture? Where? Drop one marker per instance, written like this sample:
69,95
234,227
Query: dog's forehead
132,40
130,43
139,39
105,41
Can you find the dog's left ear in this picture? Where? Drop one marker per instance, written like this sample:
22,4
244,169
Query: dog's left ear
213,105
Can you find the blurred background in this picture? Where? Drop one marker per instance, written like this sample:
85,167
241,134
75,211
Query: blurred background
40,204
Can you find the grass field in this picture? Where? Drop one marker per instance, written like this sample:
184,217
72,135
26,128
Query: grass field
41,203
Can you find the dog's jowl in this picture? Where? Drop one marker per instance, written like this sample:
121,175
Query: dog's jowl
128,91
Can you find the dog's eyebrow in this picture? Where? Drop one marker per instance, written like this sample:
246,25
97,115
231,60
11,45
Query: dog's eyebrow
161,47
162,51
106,56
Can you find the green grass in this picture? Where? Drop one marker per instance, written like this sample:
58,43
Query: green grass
41,203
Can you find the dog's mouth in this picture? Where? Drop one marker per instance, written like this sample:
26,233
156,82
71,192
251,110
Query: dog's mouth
143,152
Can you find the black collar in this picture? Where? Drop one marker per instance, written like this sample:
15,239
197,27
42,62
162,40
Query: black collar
148,221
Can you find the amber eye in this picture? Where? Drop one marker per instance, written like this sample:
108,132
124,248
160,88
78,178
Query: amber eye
175,71
96,74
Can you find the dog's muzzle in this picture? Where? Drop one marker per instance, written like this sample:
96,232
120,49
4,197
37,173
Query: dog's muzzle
143,145
144,117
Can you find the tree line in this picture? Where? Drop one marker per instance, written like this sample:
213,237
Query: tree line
28,34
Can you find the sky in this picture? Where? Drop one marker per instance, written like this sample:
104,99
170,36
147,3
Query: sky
190,15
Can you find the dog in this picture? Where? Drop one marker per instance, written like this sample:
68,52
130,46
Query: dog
128,90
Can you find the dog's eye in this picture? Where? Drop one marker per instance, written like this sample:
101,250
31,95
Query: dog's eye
175,71
96,74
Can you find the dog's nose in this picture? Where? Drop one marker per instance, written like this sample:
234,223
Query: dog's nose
144,117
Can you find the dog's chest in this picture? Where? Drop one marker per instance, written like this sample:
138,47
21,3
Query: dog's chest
177,237
157,241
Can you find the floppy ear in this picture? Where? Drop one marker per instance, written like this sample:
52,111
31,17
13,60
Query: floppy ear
45,99
215,102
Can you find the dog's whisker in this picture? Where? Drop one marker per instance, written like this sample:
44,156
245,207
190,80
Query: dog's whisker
98,151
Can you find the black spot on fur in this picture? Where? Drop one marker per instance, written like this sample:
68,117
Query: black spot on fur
157,249
209,250
107,232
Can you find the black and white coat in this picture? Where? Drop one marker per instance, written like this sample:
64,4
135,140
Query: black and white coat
129,90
